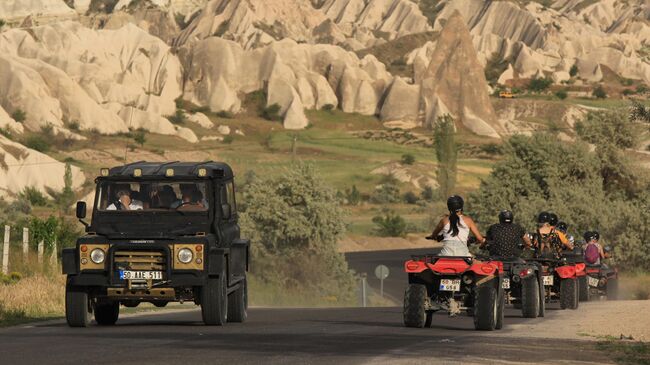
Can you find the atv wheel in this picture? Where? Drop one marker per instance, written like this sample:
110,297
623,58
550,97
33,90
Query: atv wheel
77,306
568,293
414,299
583,287
238,303
612,289
501,303
485,308
106,314
542,298
530,297
214,303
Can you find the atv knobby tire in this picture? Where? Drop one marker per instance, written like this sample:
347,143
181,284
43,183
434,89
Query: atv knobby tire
214,301
612,289
414,300
542,297
501,304
238,303
530,300
486,307
569,294
106,314
583,288
77,306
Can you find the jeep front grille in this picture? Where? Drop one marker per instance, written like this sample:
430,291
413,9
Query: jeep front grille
140,260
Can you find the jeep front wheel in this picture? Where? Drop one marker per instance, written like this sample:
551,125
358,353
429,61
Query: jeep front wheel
238,303
106,314
77,306
214,302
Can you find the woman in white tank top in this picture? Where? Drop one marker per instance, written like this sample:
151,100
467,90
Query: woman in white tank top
455,229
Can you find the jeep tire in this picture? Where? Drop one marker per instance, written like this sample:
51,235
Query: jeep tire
107,313
530,297
214,301
569,293
414,300
583,287
486,307
238,303
77,306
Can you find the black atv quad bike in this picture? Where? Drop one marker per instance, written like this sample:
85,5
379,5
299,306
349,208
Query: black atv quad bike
599,280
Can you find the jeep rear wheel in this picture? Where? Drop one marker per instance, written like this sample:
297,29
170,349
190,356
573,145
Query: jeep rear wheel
214,301
485,308
583,288
106,314
77,306
414,300
568,293
238,303
530,297
612,289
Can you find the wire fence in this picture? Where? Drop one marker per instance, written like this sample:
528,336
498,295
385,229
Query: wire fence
20,256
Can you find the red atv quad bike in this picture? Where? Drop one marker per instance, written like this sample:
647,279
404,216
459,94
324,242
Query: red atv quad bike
560,279
454,285
599,281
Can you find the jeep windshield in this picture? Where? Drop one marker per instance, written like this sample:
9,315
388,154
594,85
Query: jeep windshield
152,208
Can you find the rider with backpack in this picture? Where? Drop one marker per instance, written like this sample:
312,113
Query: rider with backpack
547,239
594,252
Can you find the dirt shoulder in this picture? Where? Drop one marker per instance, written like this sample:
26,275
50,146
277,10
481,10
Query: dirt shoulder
592,320
354,243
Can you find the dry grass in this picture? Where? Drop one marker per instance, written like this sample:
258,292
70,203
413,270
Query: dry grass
635,286
32,298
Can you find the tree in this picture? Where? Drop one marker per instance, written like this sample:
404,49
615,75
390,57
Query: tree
599,92
446,154
539,85
296,221
408,159
561,94
574,70
640,112
427,193
353,196
140,138
19,115
65,198
390,224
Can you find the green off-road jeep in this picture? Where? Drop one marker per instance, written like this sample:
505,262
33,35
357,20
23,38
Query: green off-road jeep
160,233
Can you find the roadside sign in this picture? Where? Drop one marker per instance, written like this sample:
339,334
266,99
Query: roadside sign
381,272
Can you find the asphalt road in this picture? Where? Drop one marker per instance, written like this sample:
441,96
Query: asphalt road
290,336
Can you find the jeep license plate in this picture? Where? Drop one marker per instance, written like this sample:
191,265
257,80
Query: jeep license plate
450,284
592,281
506,283
140,275
548,280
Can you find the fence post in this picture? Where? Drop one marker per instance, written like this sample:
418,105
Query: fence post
5,251
41,248
364,293
25,243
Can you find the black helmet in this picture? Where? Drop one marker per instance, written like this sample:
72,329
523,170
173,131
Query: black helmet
595,235
587,236
506,216
543,217
562,227
455,203
552,219
607,249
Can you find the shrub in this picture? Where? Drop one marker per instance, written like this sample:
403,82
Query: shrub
539,85
178,117
328,107
574,70
385,194
410,198
140,138
271,112
2,23
628,92
408,159
228,139
74,126
38,143
33,196
427,193
353,196
19,115
599,93
225,114
561,94
642,89
390,224
491,148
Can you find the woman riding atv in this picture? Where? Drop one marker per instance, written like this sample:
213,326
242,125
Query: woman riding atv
548,240
453,230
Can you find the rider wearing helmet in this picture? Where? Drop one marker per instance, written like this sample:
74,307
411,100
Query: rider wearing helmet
547,239
455,228
564,228
591,239
505,237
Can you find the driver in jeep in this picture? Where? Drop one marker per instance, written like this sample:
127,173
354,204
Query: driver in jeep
506,237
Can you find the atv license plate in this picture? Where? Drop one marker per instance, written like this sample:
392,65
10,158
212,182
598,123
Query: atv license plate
140,275
450,285
548,280
506,283
592,281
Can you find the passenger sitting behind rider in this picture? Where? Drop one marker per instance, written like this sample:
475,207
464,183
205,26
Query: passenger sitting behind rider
547,239
505,237
455,229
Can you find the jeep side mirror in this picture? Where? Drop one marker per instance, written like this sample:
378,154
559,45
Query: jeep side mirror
225,211
81,210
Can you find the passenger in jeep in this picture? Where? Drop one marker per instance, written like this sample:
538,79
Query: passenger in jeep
506,237
454,229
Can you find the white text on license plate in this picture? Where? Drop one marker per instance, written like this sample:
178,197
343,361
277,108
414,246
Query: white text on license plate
506,283
142,275
592,281
548,279
450,284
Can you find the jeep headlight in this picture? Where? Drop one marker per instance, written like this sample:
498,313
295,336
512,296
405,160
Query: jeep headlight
97,255
185,255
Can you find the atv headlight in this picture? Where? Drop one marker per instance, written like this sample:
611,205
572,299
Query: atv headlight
185,255
97,255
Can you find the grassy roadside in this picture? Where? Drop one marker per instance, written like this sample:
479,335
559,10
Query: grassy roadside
626,352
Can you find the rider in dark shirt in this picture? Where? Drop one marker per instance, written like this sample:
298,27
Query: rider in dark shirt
505,237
